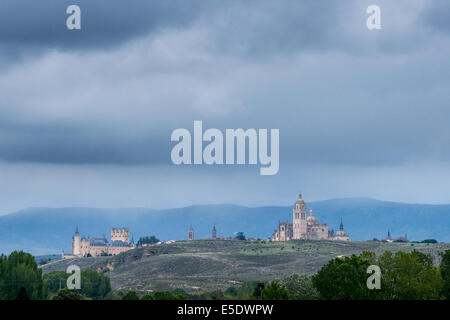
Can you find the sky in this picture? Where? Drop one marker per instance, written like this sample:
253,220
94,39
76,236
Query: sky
86,115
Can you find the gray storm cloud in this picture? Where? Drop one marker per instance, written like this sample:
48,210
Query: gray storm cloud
111,94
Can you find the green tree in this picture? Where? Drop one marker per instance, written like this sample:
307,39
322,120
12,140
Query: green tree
343,279
257,292
55,280
409,276
300,287
22,295
147,240
94,284
68,294
130,295
147,296
445,273
18,270
167,295
275,291
244,291
240,236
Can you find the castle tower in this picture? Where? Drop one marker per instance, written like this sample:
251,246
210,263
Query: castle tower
214,233
299,224
76,243
120,234
191,234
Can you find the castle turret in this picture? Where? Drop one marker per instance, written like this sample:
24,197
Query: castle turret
120,234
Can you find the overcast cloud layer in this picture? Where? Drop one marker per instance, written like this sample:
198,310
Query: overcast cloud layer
86,116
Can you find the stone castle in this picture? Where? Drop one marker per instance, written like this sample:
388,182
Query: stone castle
93,247
306,227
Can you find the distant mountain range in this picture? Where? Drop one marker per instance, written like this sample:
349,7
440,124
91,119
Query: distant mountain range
50,230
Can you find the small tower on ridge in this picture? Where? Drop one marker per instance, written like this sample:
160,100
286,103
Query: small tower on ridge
214,233
191,233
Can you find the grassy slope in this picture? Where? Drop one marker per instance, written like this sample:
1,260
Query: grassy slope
209,265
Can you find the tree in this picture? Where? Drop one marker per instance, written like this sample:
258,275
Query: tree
258,290
22,295
445,273
244,291
275,291
130,295
429,241
55,280
68,294
300,287
343,279
147,240
167,295
404,276
240,236
409,276
18,270
94,284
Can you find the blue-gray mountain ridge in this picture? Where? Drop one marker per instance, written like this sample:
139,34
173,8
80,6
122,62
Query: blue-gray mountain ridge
50,230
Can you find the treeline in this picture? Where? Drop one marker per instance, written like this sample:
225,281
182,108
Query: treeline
404,276
147,240
21,278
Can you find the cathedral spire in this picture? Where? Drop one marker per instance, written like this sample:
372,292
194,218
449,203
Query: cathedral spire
76,230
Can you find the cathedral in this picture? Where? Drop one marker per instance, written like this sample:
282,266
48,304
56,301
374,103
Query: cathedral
306,227
93,247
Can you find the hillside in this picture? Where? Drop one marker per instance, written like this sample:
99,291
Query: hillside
49,230
208,265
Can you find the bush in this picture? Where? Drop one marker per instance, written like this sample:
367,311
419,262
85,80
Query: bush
68,294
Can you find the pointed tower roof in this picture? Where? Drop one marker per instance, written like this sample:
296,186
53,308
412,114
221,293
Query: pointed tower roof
76,231
341,226
214,227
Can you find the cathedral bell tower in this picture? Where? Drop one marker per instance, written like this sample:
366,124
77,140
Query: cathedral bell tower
299,218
